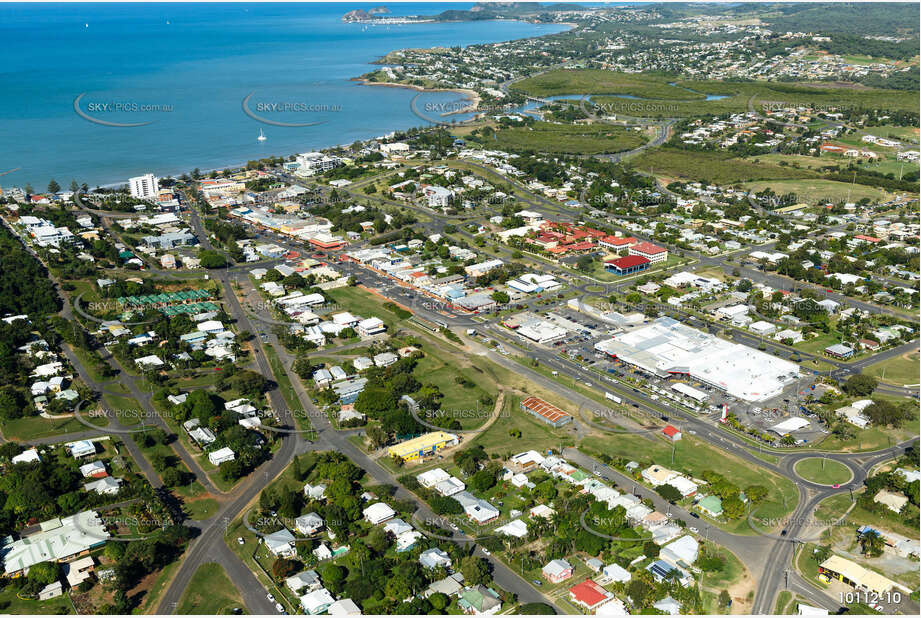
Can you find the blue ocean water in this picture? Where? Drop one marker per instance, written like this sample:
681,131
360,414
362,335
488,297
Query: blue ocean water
185,69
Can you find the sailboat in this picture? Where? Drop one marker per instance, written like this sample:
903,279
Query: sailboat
262,136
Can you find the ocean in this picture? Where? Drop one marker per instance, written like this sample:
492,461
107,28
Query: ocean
181,72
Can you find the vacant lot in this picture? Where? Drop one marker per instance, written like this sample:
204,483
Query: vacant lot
209,592
901,370
595,81
815,190
568,139
720,168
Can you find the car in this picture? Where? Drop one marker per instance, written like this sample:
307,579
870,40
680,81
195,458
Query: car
270,597
693,529
485,551
836,485
536,582
240,540
695,515
279,608
783,532
453,526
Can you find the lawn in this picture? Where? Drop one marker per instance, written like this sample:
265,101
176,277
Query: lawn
831,509
33,427
210,591
595,81
817,190
693,457
281,377
823,471
715,167
10,603
535,434
363,303
901,370
567,139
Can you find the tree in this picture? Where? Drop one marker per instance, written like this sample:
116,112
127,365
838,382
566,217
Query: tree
724,599
859,385
284,568
53,186
756,493
584,263
669,492
44,573
500,297
439,601
476,570
871,543
212,259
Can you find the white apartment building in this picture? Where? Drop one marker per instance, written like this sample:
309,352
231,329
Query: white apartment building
144,187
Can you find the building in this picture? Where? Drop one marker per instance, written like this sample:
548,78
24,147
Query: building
667,347
840,351
220,456
438,197
317,602
479,600
434,558
557,570
711,505
58,540
309,524
424,445
627,265
546,412
651,252
144,187
672,433
857,576
344,607
589,595
280,543
308,580
378,513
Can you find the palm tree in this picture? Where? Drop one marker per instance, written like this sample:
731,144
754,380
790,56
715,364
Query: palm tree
872,544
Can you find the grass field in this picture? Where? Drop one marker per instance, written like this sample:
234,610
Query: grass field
823,471
716,167
595,81
210,591
816,190
461,401
687,97
831,509
534,434
567,139
33,427
901,370
694,457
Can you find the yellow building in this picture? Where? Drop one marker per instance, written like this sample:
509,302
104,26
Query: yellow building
425,444
857,576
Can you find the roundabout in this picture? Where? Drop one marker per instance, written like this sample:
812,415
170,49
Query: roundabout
823,471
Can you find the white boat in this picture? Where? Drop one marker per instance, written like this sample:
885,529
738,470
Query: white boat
262,136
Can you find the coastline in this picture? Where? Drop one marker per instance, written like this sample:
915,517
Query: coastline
470,95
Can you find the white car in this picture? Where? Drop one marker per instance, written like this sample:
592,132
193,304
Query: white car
240,540
693,529
270,597
279,607
485,551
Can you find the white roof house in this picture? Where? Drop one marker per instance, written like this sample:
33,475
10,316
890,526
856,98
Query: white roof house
615,573
515,528
434,557
317,602
280,542
304,579
221,455
308,524
57,540
378,513
28,456
108,486
81,448
682,552
344,607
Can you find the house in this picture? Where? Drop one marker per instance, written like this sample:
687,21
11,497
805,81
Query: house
95,469
515,528
711,505
81,448
220,456
478,510
308,580
450,586
434,558
78,571
371,326
627,265
614,573
385,359
672,433
682,552
280,543
309,524
479,600
407,540
378,513
662,571
317,602
29,456
525,462
668,605
589,595
658,475
315,492
322,552
52,590
344,607
557,570
396,527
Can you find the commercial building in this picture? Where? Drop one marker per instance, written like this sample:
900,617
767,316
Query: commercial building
667,347
653,253
546,412
857,576
58,540
426,444
627,265
144,187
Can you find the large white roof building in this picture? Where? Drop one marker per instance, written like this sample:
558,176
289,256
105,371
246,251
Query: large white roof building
668,347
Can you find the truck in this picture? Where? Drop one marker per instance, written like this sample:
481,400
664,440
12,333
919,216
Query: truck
612,397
